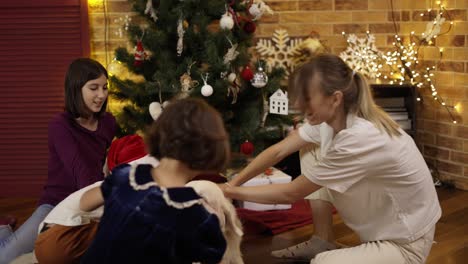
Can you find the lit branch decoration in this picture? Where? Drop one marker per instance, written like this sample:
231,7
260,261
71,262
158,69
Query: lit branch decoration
402,64
405,57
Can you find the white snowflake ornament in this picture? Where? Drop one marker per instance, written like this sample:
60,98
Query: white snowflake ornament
279,51
362,55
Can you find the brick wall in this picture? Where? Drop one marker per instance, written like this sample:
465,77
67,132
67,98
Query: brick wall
444,144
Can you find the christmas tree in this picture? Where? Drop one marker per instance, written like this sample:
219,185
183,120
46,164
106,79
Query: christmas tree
199,48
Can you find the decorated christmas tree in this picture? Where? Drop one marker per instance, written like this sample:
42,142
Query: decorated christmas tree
199,48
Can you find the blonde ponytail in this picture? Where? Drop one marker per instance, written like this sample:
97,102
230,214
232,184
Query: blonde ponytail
367,109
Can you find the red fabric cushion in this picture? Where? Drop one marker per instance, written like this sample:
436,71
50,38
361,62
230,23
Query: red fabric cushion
276,221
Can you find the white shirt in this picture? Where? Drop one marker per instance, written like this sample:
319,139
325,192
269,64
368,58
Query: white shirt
381,186
68,213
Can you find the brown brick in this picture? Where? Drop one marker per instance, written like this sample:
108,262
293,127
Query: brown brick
382,28
405,16
436,153
465,146
426,138
332,17
407,28
461,28
283,5
443,115
451,92
297,17
461,131
378,4
451,66
438,128
315,5
294,30
369,16
350,5
396,16
120,7
391,39
426,112
428,16
461,183
349,28
335,41
461,157
405,4
461,4
270,18
420,124
450,167
465,171
446,78
450,143
460,79
338,50
457,14
451,40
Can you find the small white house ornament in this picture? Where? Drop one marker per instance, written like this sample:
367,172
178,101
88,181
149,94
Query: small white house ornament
279,102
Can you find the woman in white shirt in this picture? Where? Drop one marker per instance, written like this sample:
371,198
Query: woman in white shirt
371,171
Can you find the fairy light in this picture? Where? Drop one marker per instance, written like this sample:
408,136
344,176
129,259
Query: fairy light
403,61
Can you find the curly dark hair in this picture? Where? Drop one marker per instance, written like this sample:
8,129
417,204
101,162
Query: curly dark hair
191,131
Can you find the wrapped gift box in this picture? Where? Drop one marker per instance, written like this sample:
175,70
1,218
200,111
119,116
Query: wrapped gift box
276,177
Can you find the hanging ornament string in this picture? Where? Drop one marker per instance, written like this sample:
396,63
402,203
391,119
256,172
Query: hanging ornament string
231,54
207,89
140,53
150,10
260,78
180,33
233,13
186,82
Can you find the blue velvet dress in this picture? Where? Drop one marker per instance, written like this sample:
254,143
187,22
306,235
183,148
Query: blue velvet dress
153,225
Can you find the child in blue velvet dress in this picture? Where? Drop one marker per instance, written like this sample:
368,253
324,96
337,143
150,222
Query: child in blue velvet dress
149,215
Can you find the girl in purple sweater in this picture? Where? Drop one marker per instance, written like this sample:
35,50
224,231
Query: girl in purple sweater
78,141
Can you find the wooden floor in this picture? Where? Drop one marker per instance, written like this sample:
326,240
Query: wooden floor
451,233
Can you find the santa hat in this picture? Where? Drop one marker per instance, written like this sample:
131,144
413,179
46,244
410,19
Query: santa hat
125,150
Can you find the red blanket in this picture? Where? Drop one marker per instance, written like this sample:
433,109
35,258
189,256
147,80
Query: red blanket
277,221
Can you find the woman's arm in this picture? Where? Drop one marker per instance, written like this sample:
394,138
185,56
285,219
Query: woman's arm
275,193
91,199
270,157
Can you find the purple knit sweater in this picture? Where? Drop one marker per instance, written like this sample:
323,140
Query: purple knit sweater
76,155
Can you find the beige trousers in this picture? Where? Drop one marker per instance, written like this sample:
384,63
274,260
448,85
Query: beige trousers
378,252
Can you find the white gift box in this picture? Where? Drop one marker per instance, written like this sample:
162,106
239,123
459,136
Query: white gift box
263,179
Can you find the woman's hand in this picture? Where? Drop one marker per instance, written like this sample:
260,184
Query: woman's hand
274,193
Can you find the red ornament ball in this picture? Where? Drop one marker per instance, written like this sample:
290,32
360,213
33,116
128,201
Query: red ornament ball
250,27
247,73
247,148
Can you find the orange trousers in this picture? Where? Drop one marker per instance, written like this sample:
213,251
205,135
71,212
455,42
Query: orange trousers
64,244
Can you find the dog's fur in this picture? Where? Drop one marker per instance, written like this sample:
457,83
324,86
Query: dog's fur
215,202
